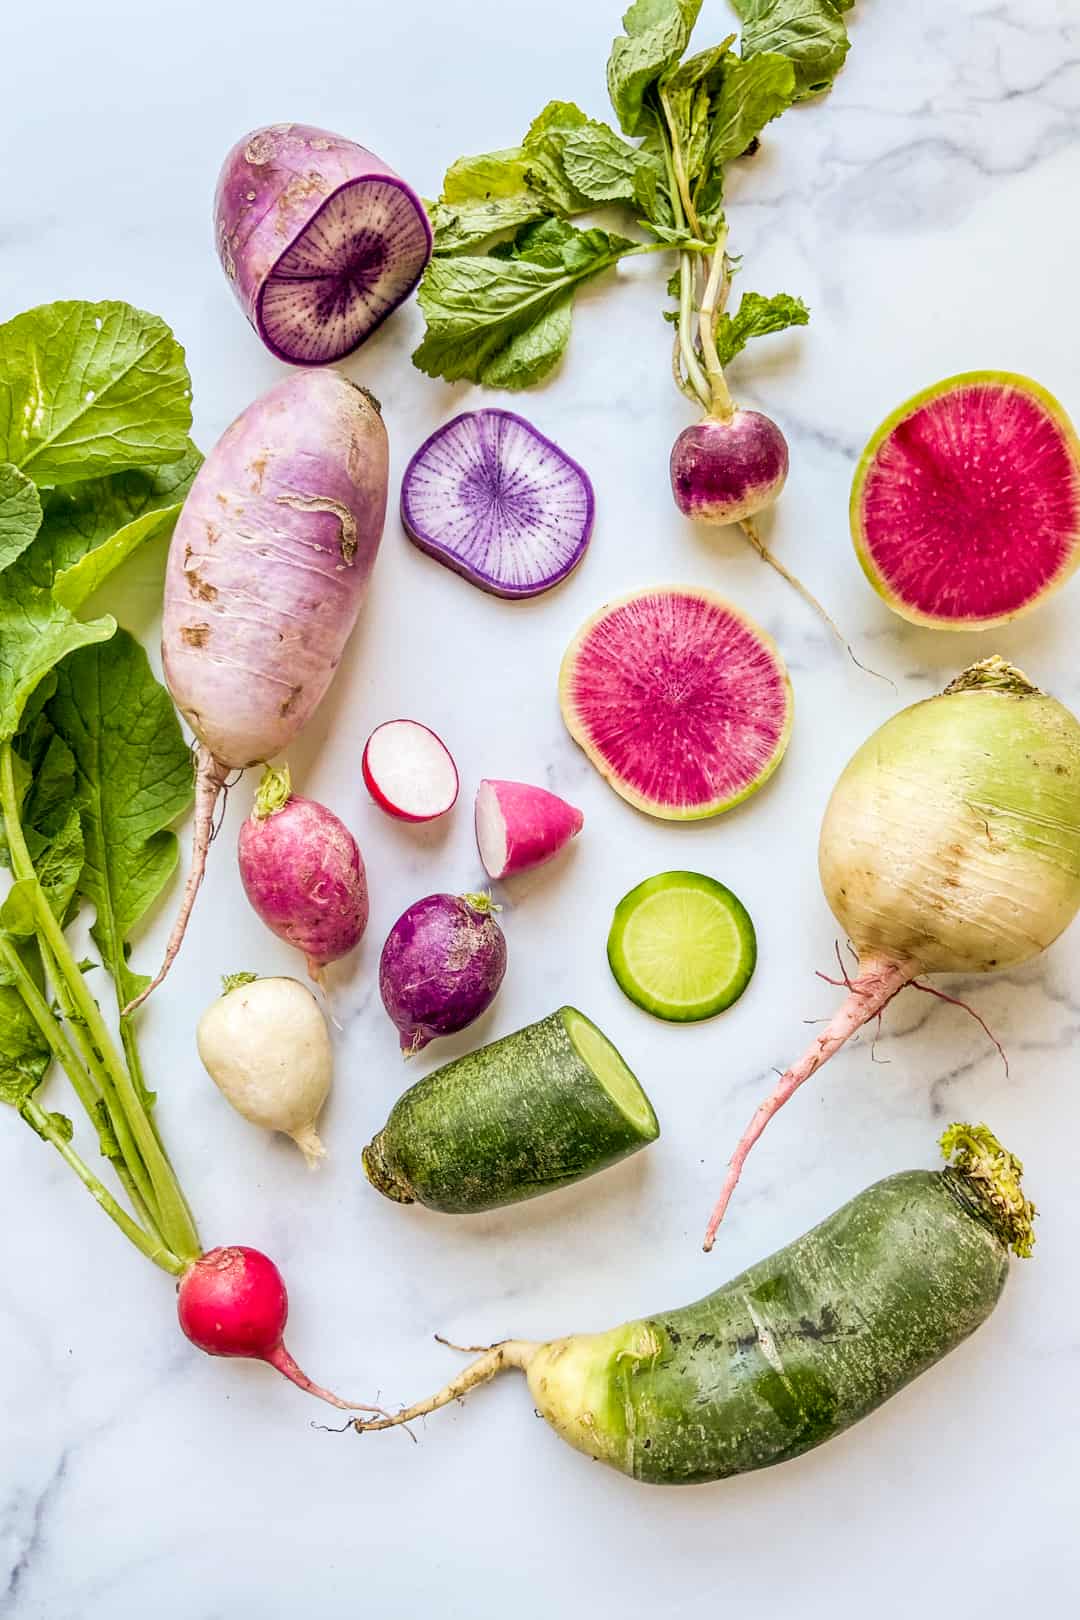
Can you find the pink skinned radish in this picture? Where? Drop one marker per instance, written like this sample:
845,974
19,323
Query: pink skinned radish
519,827
303,873
409,771
319,238
267,569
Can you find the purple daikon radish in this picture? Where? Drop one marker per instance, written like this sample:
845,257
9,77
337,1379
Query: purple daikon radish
267,568
496,501
319,238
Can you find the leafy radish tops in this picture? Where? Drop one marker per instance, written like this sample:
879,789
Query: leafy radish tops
500,504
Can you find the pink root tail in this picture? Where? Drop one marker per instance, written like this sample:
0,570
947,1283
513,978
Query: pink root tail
283,1363
877,983
210,777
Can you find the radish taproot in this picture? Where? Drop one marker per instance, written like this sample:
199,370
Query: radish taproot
951,844
965,506
265,1045
409,771
794,1350
303,872
541,1108
493,499
267,570
519,827
320,240
441,967
681,701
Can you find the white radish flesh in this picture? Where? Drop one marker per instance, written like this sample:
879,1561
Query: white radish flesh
409,771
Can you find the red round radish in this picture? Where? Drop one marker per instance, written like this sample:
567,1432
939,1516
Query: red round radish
500,504
267,569
726,470
303,873
233,1302
965,509
409,771
681,702
519,827
441,966
319,238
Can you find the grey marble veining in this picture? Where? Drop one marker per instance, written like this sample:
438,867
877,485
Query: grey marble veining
927,213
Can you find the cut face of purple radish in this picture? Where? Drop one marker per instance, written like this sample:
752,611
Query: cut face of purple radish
409,771
965,509
498,503
681,702
320,239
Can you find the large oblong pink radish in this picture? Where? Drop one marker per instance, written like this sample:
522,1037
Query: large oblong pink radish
267,569
409,771
519,827
319,238
680,700
965,506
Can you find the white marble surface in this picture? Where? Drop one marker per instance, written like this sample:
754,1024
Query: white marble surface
927,213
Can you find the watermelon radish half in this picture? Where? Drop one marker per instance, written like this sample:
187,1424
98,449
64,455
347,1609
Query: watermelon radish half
681,702
965,510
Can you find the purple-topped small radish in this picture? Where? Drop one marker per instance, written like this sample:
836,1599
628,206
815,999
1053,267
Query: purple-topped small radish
303,873
492,498
319,238
441,966
723,471
409,771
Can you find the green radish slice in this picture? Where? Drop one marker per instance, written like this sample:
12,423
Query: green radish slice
681,701
965,508
682,946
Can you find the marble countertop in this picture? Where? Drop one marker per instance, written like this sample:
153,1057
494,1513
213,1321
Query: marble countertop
926,211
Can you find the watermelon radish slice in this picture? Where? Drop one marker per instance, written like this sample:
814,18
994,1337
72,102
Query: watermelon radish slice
965,510
496,501
681,701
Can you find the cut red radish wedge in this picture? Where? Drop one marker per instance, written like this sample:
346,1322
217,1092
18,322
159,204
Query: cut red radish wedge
519,827
681,701
493,499
409,771
319,238
965,510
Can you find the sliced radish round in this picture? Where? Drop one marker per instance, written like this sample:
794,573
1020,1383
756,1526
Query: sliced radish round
320,239
965,509
681,701
493,499
409,771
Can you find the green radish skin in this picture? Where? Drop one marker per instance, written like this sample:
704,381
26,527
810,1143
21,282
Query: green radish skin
539,1109
796,1349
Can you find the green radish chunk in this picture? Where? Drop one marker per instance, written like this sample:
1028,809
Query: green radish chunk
682,946
541,1108
794,1350
965,507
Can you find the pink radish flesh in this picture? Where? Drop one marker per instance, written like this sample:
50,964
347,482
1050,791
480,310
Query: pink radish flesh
319,238
725,471
409,771
498,503
441,967
303,873
519,827
232,1302
267,569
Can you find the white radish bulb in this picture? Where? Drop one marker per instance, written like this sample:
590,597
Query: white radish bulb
266,1047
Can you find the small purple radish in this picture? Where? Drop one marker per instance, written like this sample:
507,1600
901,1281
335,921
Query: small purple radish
725,470
519,827
409,771
496,501
441,966
319,238
303,873
267,569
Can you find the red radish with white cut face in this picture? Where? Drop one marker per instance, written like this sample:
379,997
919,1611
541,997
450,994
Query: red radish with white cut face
409,771
319,238
495,500
519,827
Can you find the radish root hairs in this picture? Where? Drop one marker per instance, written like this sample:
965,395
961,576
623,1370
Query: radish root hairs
494,1360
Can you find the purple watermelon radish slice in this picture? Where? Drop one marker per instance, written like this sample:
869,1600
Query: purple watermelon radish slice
320,240
681,701
965,509
490,497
